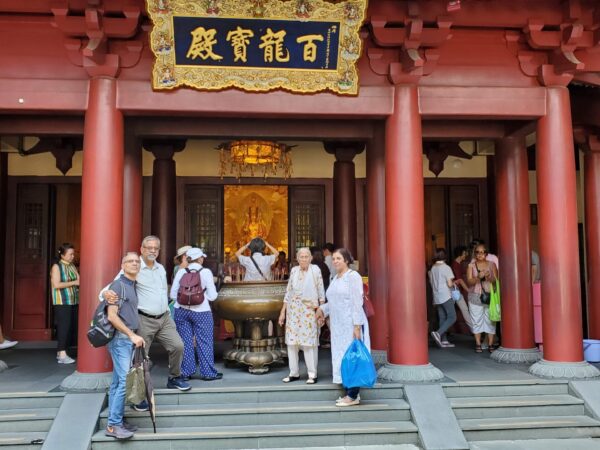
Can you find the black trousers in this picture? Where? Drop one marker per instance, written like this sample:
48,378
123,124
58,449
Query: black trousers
65,320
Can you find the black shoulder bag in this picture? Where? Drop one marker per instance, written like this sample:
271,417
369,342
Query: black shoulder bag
101,330
258,268
484,297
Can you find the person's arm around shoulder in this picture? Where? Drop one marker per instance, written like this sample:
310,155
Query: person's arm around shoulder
113,317
55,279
206,276
108,294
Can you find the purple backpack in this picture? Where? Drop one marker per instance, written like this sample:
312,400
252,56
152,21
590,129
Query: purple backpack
190,291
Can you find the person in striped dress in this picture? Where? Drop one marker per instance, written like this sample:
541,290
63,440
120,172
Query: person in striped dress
65,300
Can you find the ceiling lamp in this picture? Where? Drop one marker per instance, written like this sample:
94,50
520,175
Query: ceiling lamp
247,157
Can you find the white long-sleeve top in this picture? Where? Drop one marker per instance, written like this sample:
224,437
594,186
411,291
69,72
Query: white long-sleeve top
207,282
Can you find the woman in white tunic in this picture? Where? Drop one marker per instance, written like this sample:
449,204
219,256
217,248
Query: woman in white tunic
347,318
481,273
303,296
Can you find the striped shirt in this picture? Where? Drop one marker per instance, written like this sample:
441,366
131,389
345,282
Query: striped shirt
69,295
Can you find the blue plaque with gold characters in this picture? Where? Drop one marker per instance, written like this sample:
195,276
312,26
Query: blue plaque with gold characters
257,45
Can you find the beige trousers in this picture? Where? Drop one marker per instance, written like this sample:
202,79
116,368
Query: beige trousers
311,358
163,330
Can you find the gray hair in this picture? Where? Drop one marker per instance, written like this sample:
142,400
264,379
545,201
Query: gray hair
128,254
150,238
303,250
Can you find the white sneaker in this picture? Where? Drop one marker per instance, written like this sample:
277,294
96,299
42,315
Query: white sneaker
7,344
484,345
65,360
447,344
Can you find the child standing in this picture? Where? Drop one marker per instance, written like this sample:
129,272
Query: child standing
441,278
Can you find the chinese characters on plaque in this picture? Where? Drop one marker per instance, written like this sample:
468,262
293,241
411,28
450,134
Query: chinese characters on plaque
302,46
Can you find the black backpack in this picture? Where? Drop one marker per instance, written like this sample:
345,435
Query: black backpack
190,292
101,330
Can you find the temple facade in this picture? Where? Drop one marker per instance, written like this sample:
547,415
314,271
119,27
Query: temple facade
472,120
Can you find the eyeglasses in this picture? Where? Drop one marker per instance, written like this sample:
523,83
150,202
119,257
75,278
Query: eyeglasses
480,252
152,249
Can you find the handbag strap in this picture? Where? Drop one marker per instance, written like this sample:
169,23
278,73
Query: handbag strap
258,268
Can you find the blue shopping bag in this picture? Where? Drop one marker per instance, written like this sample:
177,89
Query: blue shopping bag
358,369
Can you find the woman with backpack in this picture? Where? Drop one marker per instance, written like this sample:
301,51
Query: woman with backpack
193,289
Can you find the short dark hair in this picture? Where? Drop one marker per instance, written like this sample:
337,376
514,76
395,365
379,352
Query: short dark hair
459,250
257,245
62,250
329,246
439,255
318,256
345,254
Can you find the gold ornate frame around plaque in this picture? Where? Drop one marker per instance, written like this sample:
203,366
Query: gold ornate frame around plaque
166,74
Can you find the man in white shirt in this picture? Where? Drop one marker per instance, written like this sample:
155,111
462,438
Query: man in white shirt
257,265
328,250
153,308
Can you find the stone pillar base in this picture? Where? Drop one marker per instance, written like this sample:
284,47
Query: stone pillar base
379,357
405,373
83,382
553,369
516,355
3,366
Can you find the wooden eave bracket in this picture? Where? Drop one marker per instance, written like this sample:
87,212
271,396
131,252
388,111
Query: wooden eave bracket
413,32
588,140
113,27
548,76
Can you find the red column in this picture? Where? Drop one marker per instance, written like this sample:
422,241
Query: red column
407,312
164,198
376,248
344,193
592,238
132,194
101,211
512,206
557,218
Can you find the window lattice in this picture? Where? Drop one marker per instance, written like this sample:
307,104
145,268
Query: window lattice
205,227
307,224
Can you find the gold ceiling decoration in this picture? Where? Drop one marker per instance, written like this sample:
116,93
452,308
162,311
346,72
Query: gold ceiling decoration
247,157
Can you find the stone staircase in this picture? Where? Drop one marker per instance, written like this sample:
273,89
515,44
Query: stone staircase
268,417
25,418
520,411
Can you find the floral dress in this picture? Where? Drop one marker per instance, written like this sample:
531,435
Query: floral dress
345,310
304,290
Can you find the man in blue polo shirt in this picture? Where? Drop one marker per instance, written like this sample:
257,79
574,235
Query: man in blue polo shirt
124,317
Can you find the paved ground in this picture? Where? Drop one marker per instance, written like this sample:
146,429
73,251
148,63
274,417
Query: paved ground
32,367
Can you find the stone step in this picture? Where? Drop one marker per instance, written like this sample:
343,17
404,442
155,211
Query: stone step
22,441
289,393
30,400
517,406
265,436
538,444
19,420
269,414
542,427
503,388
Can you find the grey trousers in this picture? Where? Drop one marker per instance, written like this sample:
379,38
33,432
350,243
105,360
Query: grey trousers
163,330
447,316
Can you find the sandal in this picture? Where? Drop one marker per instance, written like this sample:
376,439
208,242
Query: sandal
491,349
290,378
312,380
478,349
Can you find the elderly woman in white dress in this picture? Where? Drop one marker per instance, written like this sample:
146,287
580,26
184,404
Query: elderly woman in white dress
481,273
304,294
347,318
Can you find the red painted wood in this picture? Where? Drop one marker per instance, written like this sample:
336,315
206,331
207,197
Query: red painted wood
557,219
101,211
164,207
512,205
407,312
592,237
376,242
481,102
132,195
